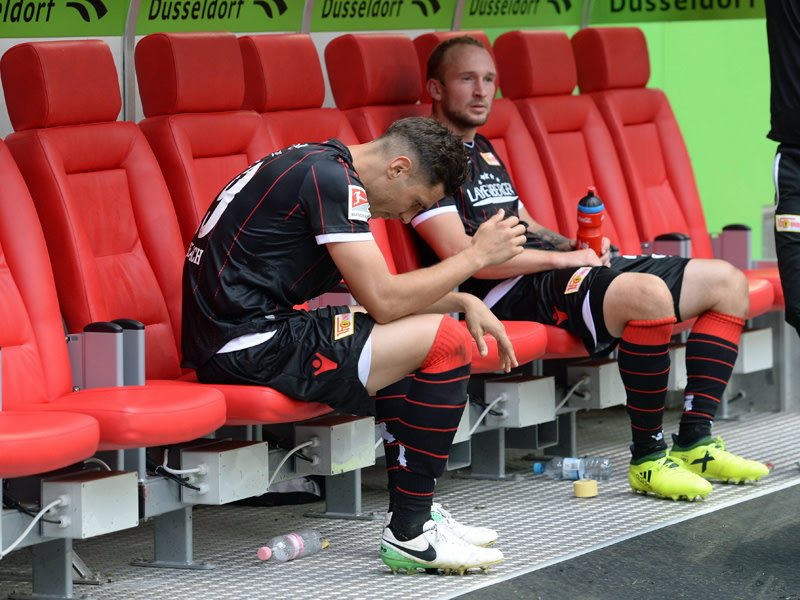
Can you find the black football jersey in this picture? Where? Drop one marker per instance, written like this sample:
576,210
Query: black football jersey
488,189
261,249
783,42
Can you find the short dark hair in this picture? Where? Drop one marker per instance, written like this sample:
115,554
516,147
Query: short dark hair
440,154
436,59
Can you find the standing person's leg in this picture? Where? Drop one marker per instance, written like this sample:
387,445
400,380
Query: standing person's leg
786,173
717,293
438,352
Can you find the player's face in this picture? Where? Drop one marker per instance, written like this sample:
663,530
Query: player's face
404,199
469,86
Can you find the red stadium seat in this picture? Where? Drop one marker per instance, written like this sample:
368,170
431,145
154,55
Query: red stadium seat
37,442
284,83
371,95
106,211
537,72
613,69
36,367
192,89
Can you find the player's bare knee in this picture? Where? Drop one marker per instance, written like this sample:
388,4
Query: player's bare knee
643,296
732,288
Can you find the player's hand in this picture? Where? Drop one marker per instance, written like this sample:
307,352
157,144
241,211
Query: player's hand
480,322
605,257
498,239
577,258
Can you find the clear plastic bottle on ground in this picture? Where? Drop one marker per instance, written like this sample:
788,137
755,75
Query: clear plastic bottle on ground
292,545
575,468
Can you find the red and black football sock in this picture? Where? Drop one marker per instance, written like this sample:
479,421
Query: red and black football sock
711,351
423,426
644,364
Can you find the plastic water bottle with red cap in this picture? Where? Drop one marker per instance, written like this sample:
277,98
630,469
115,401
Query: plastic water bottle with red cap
590,222
282,548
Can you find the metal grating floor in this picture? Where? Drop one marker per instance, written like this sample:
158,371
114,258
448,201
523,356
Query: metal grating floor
540,523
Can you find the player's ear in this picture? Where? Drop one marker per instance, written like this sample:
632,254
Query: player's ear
398,166
434,87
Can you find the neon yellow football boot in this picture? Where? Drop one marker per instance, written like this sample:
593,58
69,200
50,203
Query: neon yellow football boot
709,459
659,474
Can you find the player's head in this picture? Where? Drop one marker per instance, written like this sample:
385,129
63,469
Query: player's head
462,81
438,155
410,167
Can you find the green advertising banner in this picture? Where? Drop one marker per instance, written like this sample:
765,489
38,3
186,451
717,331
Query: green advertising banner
519,14
361,15
632,11
62,18
218,15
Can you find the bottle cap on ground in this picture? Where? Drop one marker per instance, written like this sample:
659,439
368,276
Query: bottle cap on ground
585,488
264,553
538,468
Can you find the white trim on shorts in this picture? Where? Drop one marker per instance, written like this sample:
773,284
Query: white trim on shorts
501,289
245,341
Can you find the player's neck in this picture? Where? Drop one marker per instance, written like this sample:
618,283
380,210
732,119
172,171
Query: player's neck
466,133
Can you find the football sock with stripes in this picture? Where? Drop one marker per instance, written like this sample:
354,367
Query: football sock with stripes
644,363
420,424
711,351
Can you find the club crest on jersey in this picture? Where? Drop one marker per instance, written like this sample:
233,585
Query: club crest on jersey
790,223
357,204
343,326
574,283
490,159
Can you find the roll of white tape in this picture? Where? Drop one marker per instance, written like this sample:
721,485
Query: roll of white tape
585,488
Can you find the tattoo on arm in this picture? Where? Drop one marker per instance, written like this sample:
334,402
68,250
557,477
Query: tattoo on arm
558,240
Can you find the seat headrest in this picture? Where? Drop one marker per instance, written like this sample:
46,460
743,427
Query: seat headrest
282,72
425,43
189,73
611,57
372,69
47,84
535,63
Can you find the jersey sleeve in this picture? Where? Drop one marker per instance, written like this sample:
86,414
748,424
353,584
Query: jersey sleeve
445,205
336,204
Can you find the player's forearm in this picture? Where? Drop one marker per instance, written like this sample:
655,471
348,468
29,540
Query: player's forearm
453,302
423,290
562,243
530,261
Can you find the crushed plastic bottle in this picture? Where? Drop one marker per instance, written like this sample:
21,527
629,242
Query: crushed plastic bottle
575,468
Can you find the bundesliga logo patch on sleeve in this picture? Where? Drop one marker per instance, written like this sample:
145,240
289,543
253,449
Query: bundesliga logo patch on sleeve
358,205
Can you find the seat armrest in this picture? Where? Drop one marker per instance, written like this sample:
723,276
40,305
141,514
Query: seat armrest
734,244
96,356
133,355
669,244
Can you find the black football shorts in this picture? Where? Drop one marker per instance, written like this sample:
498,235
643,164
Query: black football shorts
573,298
313,356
